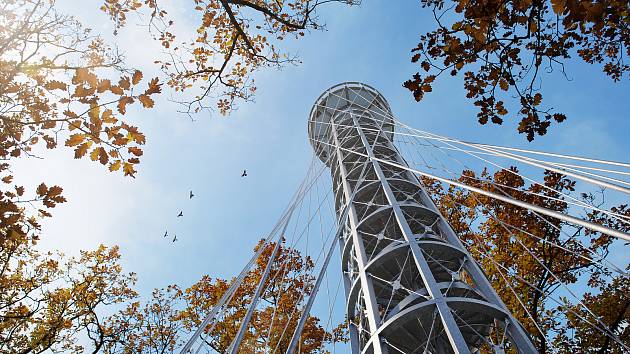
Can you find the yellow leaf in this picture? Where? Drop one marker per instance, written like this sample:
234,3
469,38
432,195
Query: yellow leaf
103,85
147,102
55,85
94,154
122,104
107,117
137,76
124,83
82,149
135,150
114,166
128,169
94,113
75,139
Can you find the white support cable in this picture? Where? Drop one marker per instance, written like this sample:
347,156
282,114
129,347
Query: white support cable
446,139
545,211
226,297
498,270
544,153
568,167
560,164
311,299
304,286
566,171
543,165
306,312
505,280
485,150
282,274
331,304
331,309
302,294
229,294
293,245
432,136
499,186
622,218
504,226
542,264
587,167
572,200
513,156
604,327
236,342
559,302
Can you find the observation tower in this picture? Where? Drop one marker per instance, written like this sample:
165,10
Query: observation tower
410,284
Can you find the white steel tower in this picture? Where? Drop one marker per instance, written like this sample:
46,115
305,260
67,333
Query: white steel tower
411,286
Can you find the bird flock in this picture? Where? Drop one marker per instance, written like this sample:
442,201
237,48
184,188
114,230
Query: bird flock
181,212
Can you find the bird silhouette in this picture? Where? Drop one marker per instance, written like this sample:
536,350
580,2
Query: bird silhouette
165,233
244,173
191,195
181,213
175,238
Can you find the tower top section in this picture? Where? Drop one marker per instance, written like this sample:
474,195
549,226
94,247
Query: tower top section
337,102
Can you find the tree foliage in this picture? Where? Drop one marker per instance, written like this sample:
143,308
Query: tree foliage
46,300
159,324
234,38
63,85
503,47
527,258
51,94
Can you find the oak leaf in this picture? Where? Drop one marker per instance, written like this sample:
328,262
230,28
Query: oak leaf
137,76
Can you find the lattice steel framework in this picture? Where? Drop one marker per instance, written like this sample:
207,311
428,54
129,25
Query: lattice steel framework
411,286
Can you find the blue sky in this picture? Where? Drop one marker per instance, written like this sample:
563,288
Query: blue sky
370,43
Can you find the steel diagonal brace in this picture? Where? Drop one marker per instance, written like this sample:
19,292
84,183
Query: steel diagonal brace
448,321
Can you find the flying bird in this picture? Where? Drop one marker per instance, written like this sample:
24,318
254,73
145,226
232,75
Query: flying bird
165,233
191,195
181,213
175,238
244,173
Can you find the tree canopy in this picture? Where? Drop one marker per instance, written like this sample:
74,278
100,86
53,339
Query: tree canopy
504,47
159,325
63,84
